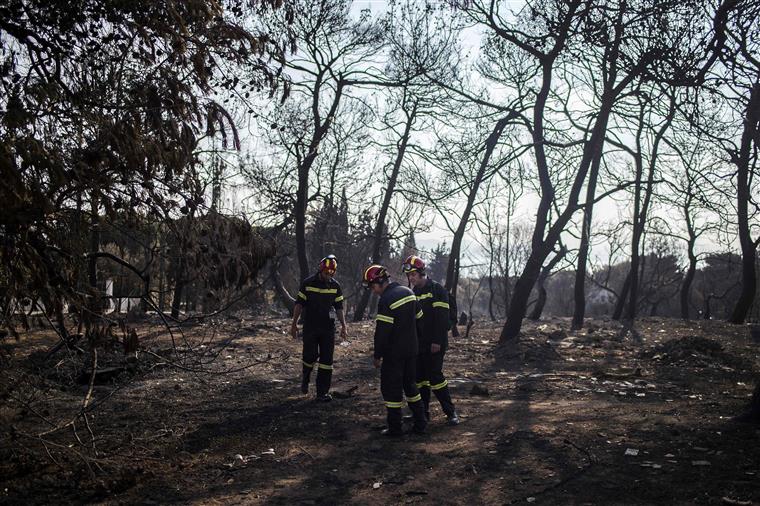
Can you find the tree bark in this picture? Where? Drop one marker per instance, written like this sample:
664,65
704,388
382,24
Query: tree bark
507,259
543,241
285,298
687,281
748,245
490,293
538,309
579,289
640,220
94,303
519,303
179,286
304,168
377,237
452,270
617,313
541,246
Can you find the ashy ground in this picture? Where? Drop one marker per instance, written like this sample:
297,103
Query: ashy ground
607,415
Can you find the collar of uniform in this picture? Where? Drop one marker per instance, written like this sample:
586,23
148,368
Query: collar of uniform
388,289
427,288
317,279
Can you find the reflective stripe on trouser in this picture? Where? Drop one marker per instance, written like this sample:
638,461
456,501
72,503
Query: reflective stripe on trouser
430,371
396,380
318,349
423,381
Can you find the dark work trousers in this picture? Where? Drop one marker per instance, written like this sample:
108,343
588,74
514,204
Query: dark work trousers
397,378
430,377
318,348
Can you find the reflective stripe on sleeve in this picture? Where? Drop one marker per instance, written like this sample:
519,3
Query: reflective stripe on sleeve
401,302
339,298
441,304
383,318
302,295
420,314
321,290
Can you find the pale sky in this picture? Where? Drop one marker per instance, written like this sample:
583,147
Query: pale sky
608,211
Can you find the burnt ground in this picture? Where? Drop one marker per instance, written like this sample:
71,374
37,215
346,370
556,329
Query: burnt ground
606,415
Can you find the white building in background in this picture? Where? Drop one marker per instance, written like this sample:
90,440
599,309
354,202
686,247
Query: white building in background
119,304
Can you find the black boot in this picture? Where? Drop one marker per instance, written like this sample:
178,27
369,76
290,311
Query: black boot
444,397
420,421
394,423
324,379
305,380
425,394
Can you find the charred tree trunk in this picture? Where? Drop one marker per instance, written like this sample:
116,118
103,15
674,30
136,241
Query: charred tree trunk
452,270
691,270
377,238
545,273
179,287
638,225
490,293
579,289
507,293
543,241
640,220
300,214
617,313
94,302
507,261
304,168
687,281
161,278
519,303
285,298
748,245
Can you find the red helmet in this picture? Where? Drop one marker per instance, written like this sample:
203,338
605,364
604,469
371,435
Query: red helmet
328,264
374,274
413,263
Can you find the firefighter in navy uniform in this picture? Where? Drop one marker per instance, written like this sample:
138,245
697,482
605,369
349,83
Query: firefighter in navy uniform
434,302
395,352
319,298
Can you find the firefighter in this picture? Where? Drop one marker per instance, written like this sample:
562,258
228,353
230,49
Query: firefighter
396,348
320,299
434,302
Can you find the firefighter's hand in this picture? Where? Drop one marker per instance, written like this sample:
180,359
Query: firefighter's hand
435,348
343,332
294,331
378,362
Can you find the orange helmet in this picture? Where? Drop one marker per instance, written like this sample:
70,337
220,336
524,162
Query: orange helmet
374,274
413,263
328,264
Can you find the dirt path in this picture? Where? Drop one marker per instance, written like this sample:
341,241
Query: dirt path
600,417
